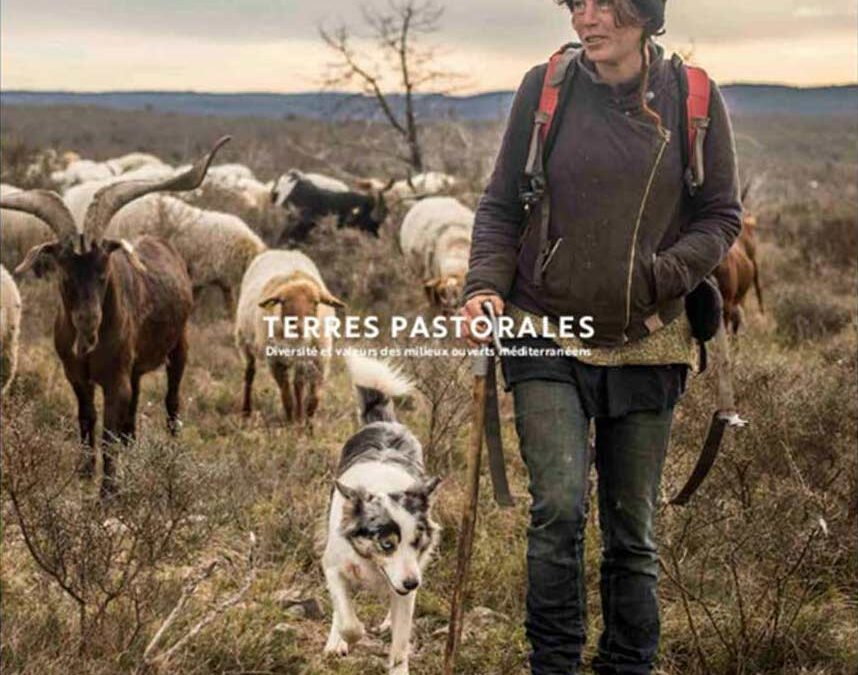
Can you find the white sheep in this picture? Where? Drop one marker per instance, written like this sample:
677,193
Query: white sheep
280,284
10,326
217,247
83,171
413,188
436,234
19,232
133,161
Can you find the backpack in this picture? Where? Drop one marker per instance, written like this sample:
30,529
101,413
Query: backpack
693,88
703,305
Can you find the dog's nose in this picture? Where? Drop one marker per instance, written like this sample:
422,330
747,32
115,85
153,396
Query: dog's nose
410,584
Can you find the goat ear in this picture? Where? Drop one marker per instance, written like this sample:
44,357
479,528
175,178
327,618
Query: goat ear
48,249
364,184
111,245
328,299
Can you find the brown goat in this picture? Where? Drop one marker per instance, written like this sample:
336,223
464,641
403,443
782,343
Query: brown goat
123,309
737,272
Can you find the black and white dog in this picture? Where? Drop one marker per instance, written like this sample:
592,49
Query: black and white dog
379,531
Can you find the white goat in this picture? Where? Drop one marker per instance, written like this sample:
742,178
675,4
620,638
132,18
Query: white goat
436,234
279,285
10,326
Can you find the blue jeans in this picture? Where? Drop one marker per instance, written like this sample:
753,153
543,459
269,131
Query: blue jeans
553,434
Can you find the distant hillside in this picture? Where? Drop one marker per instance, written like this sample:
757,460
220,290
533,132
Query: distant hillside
743,99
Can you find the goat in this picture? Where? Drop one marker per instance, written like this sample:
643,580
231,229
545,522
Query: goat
123,308
10,327
737,272
353,209
284,284
436,233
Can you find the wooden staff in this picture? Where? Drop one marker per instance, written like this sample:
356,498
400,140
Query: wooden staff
479,368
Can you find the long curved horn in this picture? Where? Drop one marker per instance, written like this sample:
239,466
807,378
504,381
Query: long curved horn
109,199
45,205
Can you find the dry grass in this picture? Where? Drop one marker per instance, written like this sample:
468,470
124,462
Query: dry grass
760,571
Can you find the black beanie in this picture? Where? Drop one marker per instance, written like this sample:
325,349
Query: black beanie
653,12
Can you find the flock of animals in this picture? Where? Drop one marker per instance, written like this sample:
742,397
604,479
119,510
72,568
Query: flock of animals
129,251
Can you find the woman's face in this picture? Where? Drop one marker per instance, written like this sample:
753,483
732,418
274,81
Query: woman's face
604,41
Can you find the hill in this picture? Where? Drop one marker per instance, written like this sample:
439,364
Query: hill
742,99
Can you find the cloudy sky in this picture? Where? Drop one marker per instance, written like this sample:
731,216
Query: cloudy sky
273,45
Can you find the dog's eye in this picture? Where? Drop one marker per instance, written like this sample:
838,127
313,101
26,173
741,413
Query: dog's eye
386,545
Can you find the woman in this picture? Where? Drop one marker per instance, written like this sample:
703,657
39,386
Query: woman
626,242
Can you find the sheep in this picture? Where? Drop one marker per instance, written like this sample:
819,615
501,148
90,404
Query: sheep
217,247
83,171
285,284
295,191
133,161
123,308
436,233
415,187
10,326
19,232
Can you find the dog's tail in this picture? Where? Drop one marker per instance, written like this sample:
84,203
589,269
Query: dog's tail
376,383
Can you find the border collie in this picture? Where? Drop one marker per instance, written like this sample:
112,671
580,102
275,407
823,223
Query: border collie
379,531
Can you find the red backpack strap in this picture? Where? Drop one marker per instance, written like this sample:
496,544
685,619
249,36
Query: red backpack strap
555,73
697,121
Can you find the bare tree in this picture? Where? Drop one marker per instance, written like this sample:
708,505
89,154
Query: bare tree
396,31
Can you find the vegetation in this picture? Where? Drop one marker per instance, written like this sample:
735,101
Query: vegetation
759,572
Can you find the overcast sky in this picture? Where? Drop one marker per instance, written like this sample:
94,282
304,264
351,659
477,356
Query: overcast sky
273,45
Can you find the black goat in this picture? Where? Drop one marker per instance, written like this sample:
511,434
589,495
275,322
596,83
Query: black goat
364,211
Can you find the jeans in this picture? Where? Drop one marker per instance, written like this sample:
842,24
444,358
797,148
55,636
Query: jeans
553,434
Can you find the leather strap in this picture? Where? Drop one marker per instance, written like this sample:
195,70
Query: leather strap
494,443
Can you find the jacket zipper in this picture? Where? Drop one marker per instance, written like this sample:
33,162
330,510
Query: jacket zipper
551,253
664,142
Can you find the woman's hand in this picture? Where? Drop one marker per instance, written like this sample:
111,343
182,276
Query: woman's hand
472,309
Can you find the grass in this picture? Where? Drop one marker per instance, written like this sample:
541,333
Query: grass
753,581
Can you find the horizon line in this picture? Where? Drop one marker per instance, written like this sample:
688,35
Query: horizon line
311,92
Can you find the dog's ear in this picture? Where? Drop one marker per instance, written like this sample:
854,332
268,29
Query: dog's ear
430,484
351,494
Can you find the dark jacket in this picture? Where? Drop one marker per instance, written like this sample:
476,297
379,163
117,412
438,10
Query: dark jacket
628,240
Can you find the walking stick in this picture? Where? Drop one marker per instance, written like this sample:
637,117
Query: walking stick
479,368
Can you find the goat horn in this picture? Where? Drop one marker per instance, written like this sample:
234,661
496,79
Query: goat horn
45,205
109,199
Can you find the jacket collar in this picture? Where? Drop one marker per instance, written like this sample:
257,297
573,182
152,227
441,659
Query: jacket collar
626,93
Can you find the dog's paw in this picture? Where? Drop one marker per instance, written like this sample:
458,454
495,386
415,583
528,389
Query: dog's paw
336,646
352,632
